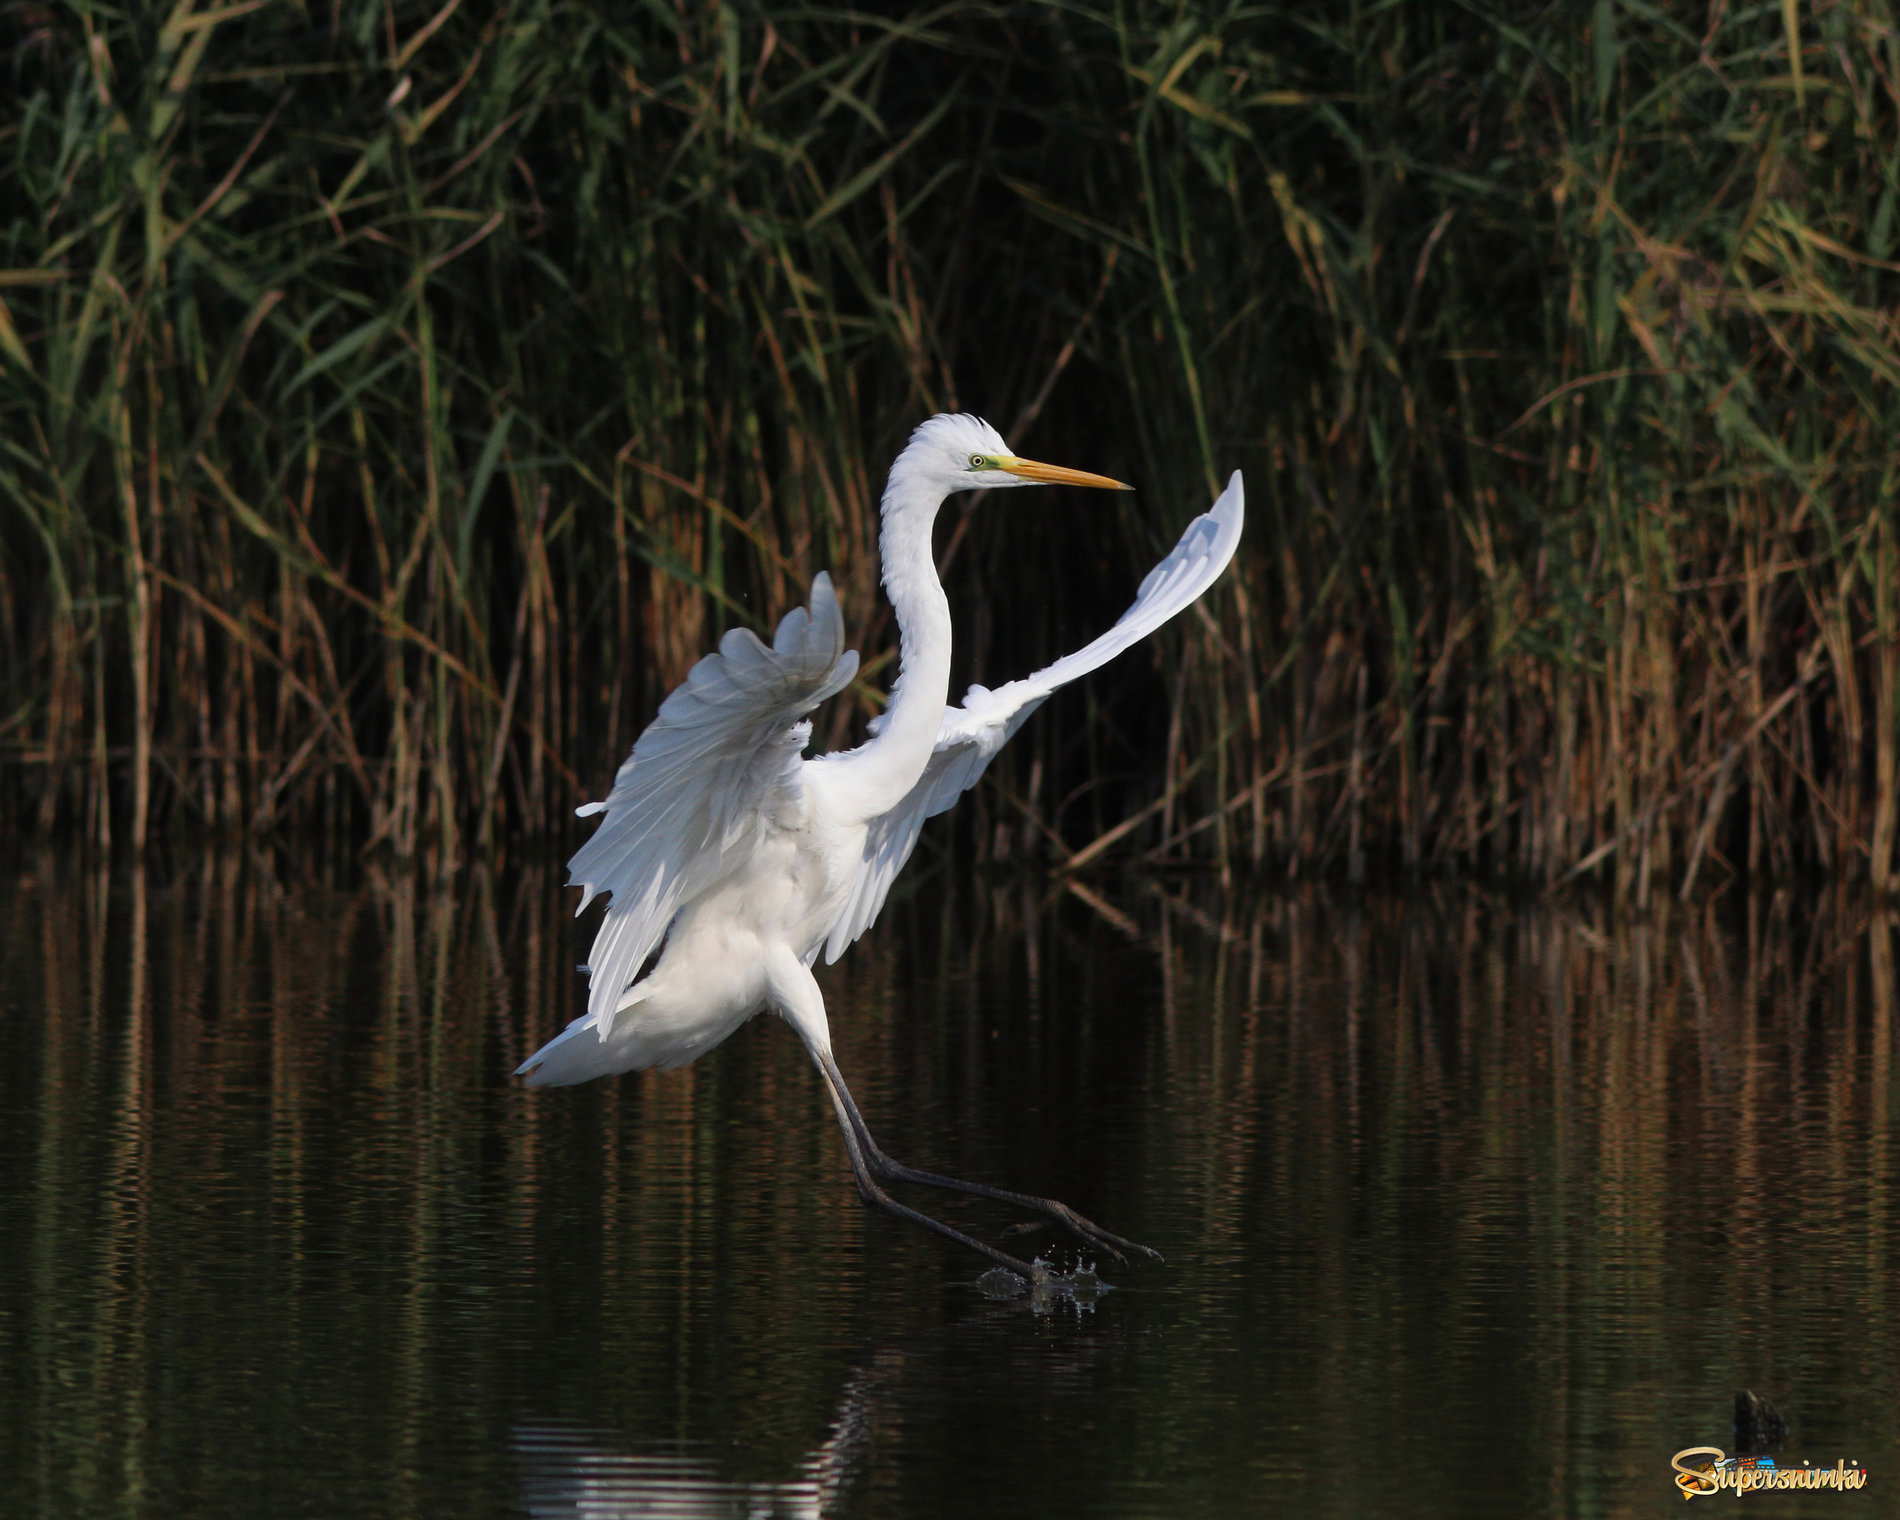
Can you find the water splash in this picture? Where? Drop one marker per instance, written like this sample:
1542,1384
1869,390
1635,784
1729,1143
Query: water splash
1048,1288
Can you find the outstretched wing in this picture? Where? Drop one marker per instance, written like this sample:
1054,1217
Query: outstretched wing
972,734
719,762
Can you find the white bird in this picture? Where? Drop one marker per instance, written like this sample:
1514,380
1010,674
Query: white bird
739,860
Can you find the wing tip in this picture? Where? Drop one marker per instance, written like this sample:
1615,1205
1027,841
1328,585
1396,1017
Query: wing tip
1229,515
1232,501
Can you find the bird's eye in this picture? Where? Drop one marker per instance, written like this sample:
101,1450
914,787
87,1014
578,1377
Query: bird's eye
978,462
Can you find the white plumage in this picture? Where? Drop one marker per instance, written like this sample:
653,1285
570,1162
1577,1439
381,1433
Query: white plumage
972,735
739,860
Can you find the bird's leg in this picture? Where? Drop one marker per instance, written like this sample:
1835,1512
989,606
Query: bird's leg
868,1189
883,1167
791,987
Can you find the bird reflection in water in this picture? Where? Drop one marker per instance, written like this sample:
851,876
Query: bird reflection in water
569,1470
576,1471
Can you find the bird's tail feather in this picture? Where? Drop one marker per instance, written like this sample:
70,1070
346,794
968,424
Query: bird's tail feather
579,1052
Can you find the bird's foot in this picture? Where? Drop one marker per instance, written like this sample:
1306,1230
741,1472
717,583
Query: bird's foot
1082,1229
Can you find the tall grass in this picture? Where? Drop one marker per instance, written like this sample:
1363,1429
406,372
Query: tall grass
397,399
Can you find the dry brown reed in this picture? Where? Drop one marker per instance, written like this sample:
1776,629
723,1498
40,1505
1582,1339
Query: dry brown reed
395,402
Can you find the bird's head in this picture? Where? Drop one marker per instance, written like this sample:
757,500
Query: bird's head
963,453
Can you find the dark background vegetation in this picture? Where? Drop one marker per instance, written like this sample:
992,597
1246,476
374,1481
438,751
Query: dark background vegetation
396,399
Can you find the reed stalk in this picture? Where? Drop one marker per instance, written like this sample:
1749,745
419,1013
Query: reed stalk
394,402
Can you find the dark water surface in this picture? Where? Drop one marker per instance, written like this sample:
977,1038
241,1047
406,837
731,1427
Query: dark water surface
1469,1209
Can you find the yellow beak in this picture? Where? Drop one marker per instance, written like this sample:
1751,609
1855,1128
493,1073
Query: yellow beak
1058,475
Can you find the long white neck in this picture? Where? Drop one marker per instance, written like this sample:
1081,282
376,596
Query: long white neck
885,769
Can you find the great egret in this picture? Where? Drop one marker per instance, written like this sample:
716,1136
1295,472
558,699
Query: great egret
739,860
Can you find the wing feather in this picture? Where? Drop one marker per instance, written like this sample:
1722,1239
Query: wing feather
972,735
720,760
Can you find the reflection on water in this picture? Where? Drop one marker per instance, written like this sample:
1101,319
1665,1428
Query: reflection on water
575,1473
572,1473
1469,1209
